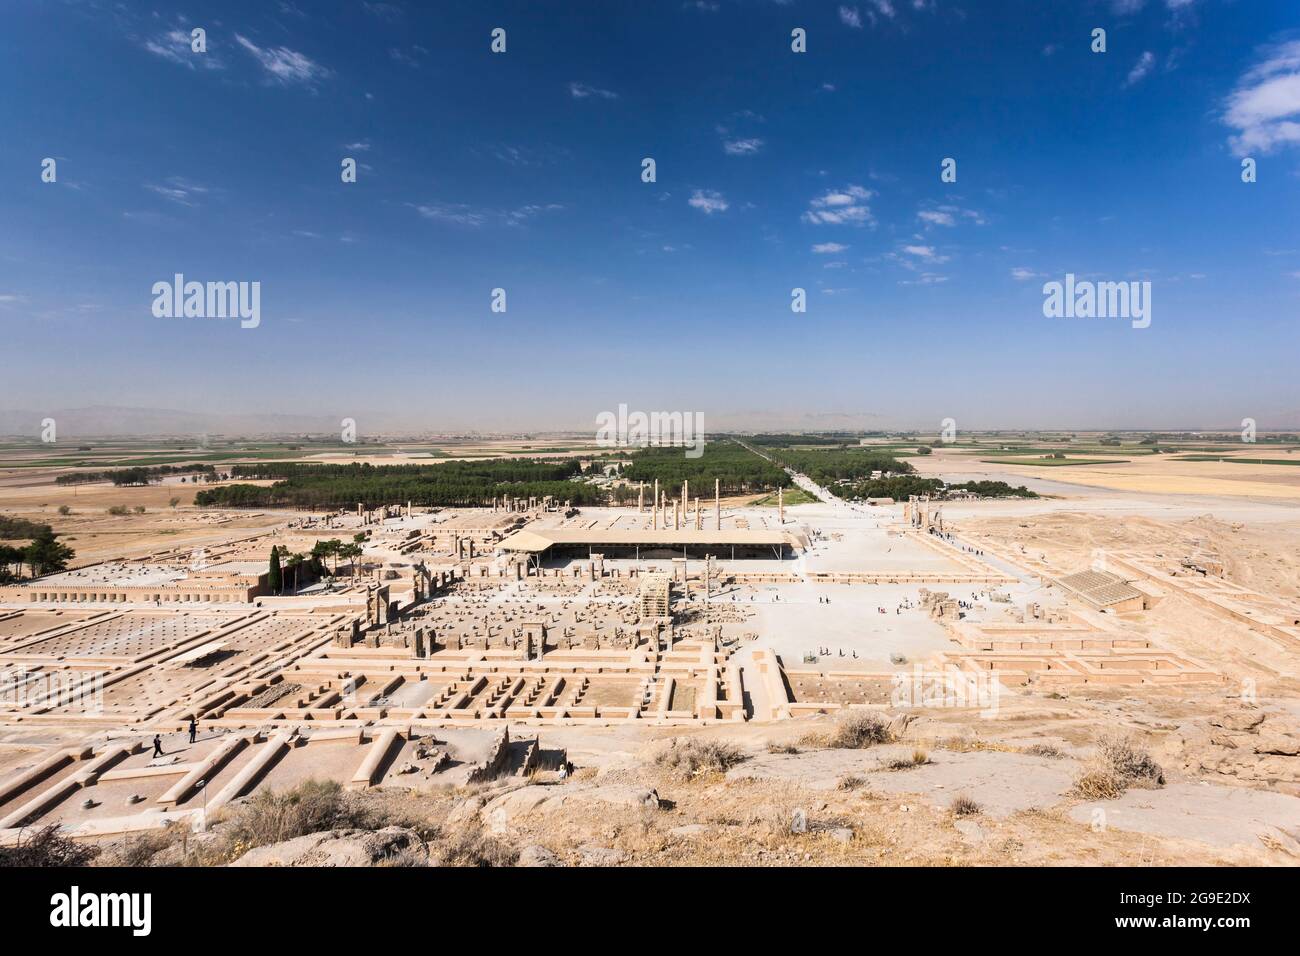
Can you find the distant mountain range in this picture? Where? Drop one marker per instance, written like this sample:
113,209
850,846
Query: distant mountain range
105,420
101,421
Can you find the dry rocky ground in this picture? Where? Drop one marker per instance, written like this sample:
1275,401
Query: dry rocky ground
1040,785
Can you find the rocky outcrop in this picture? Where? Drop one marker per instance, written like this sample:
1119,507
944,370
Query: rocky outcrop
341,848
1249,746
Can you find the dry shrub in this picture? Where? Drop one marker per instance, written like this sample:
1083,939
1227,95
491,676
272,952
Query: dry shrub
1043,750
858,729
273,817
690,757
775,748
851,782
1097,785
470,846
968,745
408,856
139,849
964,806
919,758
45,847
1117,764
1129,761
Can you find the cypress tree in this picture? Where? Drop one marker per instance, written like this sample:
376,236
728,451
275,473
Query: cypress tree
275,580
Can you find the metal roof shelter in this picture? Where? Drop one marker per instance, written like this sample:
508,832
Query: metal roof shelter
1103,590
537,542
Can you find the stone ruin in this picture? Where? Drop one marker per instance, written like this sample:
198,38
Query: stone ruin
939,605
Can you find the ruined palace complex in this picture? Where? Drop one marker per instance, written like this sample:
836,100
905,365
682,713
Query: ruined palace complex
531,615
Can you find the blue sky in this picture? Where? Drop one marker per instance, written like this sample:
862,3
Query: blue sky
775,170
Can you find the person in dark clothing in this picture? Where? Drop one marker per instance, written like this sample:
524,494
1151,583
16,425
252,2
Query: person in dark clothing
194,729
157,745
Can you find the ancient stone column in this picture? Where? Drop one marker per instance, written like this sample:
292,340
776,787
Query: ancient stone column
780,504
717,504
640,497
656,517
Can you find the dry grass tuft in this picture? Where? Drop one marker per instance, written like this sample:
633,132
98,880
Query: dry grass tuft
690,757
472,847
1097,785
966,745
964,806
1117,764
273,817
919,758
859,729
1043,750
45,847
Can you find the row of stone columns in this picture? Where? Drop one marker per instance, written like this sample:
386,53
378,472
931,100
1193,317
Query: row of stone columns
660,504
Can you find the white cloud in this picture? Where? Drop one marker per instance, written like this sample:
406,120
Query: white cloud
742,147
285,65
458,213
175,45
949,216
412,59
385,11
179,190
462,214
846,206
517,217
936,217
1264,108
1141,68
850,17
828,248
707,201
911,257
362,146
884,7
924,252
582,91
1023,274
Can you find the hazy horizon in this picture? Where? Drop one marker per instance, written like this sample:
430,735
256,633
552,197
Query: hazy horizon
107,422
